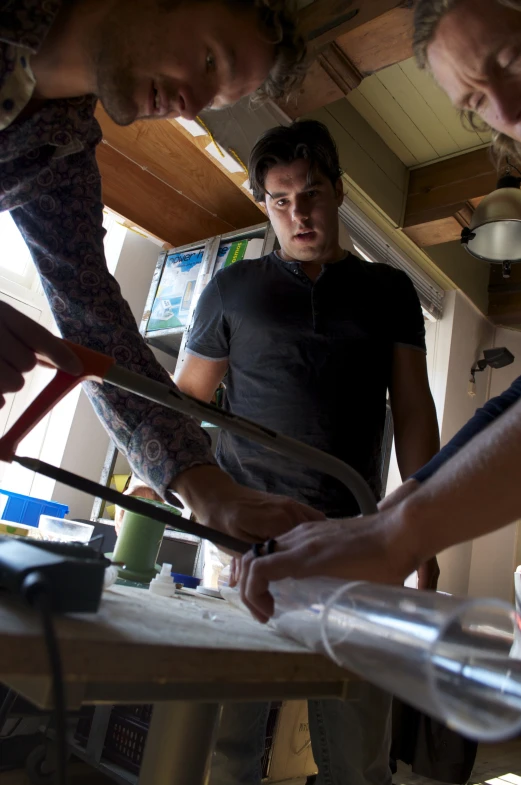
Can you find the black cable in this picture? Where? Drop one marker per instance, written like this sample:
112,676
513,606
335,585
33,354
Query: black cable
7,705
36,590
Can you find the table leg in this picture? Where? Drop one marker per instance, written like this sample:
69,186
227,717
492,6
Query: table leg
180,743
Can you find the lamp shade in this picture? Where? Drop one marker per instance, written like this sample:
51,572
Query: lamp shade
494,234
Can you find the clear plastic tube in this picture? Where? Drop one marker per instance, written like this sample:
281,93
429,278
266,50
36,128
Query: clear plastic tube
450,657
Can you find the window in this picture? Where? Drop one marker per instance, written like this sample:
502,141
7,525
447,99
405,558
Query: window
15,260
20,287
376,246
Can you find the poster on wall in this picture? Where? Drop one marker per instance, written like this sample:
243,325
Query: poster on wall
229,253
176,288
172,303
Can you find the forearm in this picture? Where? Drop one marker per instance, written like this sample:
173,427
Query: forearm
89,309
474,493
416,440
201,486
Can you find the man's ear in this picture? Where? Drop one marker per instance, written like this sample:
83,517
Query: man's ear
339,191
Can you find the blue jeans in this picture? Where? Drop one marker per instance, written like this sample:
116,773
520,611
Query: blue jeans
350,740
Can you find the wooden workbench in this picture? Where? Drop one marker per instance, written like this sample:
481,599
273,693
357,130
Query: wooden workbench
184,655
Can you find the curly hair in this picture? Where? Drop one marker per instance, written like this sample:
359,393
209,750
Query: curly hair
307,139
427,16
278,19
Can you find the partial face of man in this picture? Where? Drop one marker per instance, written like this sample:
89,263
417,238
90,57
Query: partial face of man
476,58
152,63
303,211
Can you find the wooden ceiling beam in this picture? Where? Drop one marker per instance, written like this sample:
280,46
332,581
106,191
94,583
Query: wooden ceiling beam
323,21
373,35
331,76
442,189
444,230
383,41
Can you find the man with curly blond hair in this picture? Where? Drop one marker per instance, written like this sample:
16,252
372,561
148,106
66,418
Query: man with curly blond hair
141,59
473,50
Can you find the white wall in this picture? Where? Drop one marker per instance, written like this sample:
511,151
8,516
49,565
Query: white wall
471,333
495,556
463,342
454,343
484,567
88,441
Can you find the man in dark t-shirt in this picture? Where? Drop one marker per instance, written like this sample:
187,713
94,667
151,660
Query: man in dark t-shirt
309,339
313,360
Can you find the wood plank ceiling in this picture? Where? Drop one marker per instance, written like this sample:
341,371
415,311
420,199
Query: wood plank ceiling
412,115
160,177
153,176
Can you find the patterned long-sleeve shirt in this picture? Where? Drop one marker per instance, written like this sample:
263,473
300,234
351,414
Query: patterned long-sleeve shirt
50,182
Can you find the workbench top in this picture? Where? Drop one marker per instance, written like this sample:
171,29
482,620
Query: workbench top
191,647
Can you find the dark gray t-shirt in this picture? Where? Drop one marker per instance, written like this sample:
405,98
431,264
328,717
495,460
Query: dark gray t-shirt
311,360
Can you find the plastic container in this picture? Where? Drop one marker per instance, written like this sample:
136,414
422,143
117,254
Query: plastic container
450,657
138,545
188,581
125,741
27,509
60,530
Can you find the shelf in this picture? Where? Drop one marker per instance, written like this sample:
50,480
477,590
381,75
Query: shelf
169,341
189,539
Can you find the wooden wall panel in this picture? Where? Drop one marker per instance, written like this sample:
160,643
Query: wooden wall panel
324,20
146,201
164,151
366,159
383,41
439,190
375,31
319,89
505,296
435,232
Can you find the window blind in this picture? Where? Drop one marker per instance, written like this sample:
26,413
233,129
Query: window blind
380,248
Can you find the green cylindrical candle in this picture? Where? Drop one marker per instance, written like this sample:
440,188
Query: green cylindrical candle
137,546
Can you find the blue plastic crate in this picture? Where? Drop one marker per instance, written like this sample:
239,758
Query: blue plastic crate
27,509
188,581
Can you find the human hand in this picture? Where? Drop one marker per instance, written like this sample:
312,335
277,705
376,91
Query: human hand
370,548
21,340
144,492
249,515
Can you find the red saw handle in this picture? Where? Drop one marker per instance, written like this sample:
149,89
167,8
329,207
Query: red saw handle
95,368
